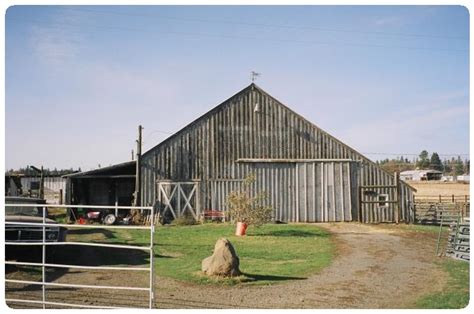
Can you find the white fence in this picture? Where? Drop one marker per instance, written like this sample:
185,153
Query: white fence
43,243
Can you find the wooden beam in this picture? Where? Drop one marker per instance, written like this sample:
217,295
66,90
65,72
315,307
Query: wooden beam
378,186
376,202
398,206
290,160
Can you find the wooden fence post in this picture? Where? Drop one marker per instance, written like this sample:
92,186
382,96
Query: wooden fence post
397,193
60,196
414,209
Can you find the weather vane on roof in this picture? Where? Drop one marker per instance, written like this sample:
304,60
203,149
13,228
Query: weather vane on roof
255,75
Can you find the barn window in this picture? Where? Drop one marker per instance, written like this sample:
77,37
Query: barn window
370,193
383,198
34,185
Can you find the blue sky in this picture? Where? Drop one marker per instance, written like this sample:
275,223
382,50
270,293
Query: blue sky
383,79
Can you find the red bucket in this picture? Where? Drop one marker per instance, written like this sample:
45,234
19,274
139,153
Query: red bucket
241,229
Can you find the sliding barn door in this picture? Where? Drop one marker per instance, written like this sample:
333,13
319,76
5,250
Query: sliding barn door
324,191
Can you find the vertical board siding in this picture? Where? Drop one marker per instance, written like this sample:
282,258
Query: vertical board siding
292,190
52,187
208,149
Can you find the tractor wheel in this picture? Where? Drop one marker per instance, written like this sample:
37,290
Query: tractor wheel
109,219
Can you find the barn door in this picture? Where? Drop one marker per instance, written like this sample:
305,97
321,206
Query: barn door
276,180
379,203
324,191
178,198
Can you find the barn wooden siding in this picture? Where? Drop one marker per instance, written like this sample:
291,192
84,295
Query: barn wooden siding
298,191
209,148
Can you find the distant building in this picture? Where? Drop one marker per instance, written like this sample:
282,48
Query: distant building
421,175
53,186
22,185
12,185
447,178
463,178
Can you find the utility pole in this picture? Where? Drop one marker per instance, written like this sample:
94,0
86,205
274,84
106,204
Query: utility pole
41,184
41,191
138,172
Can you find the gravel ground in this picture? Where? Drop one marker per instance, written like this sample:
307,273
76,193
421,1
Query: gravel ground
376,267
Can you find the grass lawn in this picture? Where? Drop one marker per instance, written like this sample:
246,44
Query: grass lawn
456,295
269,254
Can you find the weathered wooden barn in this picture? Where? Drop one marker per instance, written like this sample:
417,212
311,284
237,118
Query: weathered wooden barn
308,175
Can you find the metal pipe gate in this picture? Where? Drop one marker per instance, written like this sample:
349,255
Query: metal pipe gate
45,265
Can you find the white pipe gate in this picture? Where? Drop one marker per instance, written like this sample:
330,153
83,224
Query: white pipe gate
45,265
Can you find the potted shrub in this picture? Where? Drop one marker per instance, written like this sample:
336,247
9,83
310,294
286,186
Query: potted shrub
245,209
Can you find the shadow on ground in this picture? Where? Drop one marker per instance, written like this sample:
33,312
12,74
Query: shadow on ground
257,277
106,233
293,233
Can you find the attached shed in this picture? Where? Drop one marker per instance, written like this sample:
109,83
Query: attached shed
308,175
104,186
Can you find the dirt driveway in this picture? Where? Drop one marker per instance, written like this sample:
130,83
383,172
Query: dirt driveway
376,267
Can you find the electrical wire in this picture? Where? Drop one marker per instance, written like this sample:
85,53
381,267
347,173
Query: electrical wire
413,154
231,22
226,36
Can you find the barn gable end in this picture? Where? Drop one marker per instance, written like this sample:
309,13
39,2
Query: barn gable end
308,174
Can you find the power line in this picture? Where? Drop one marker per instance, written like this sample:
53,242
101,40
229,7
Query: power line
340,43
154,16
413,154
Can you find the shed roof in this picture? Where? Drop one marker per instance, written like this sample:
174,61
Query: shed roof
122,170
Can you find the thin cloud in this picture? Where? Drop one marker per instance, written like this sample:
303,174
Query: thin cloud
54,46
390,21
406,130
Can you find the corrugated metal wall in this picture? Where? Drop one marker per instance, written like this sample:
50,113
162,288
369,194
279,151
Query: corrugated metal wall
208,149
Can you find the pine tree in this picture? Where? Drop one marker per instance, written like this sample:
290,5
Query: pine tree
447,167
458,167
424,161
436,162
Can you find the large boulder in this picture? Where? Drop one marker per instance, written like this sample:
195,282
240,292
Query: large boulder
223,262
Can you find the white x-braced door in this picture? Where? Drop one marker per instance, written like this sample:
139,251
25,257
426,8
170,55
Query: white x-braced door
178,197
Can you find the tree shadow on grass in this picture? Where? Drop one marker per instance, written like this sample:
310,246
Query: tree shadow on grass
106,233
293,233
260,277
